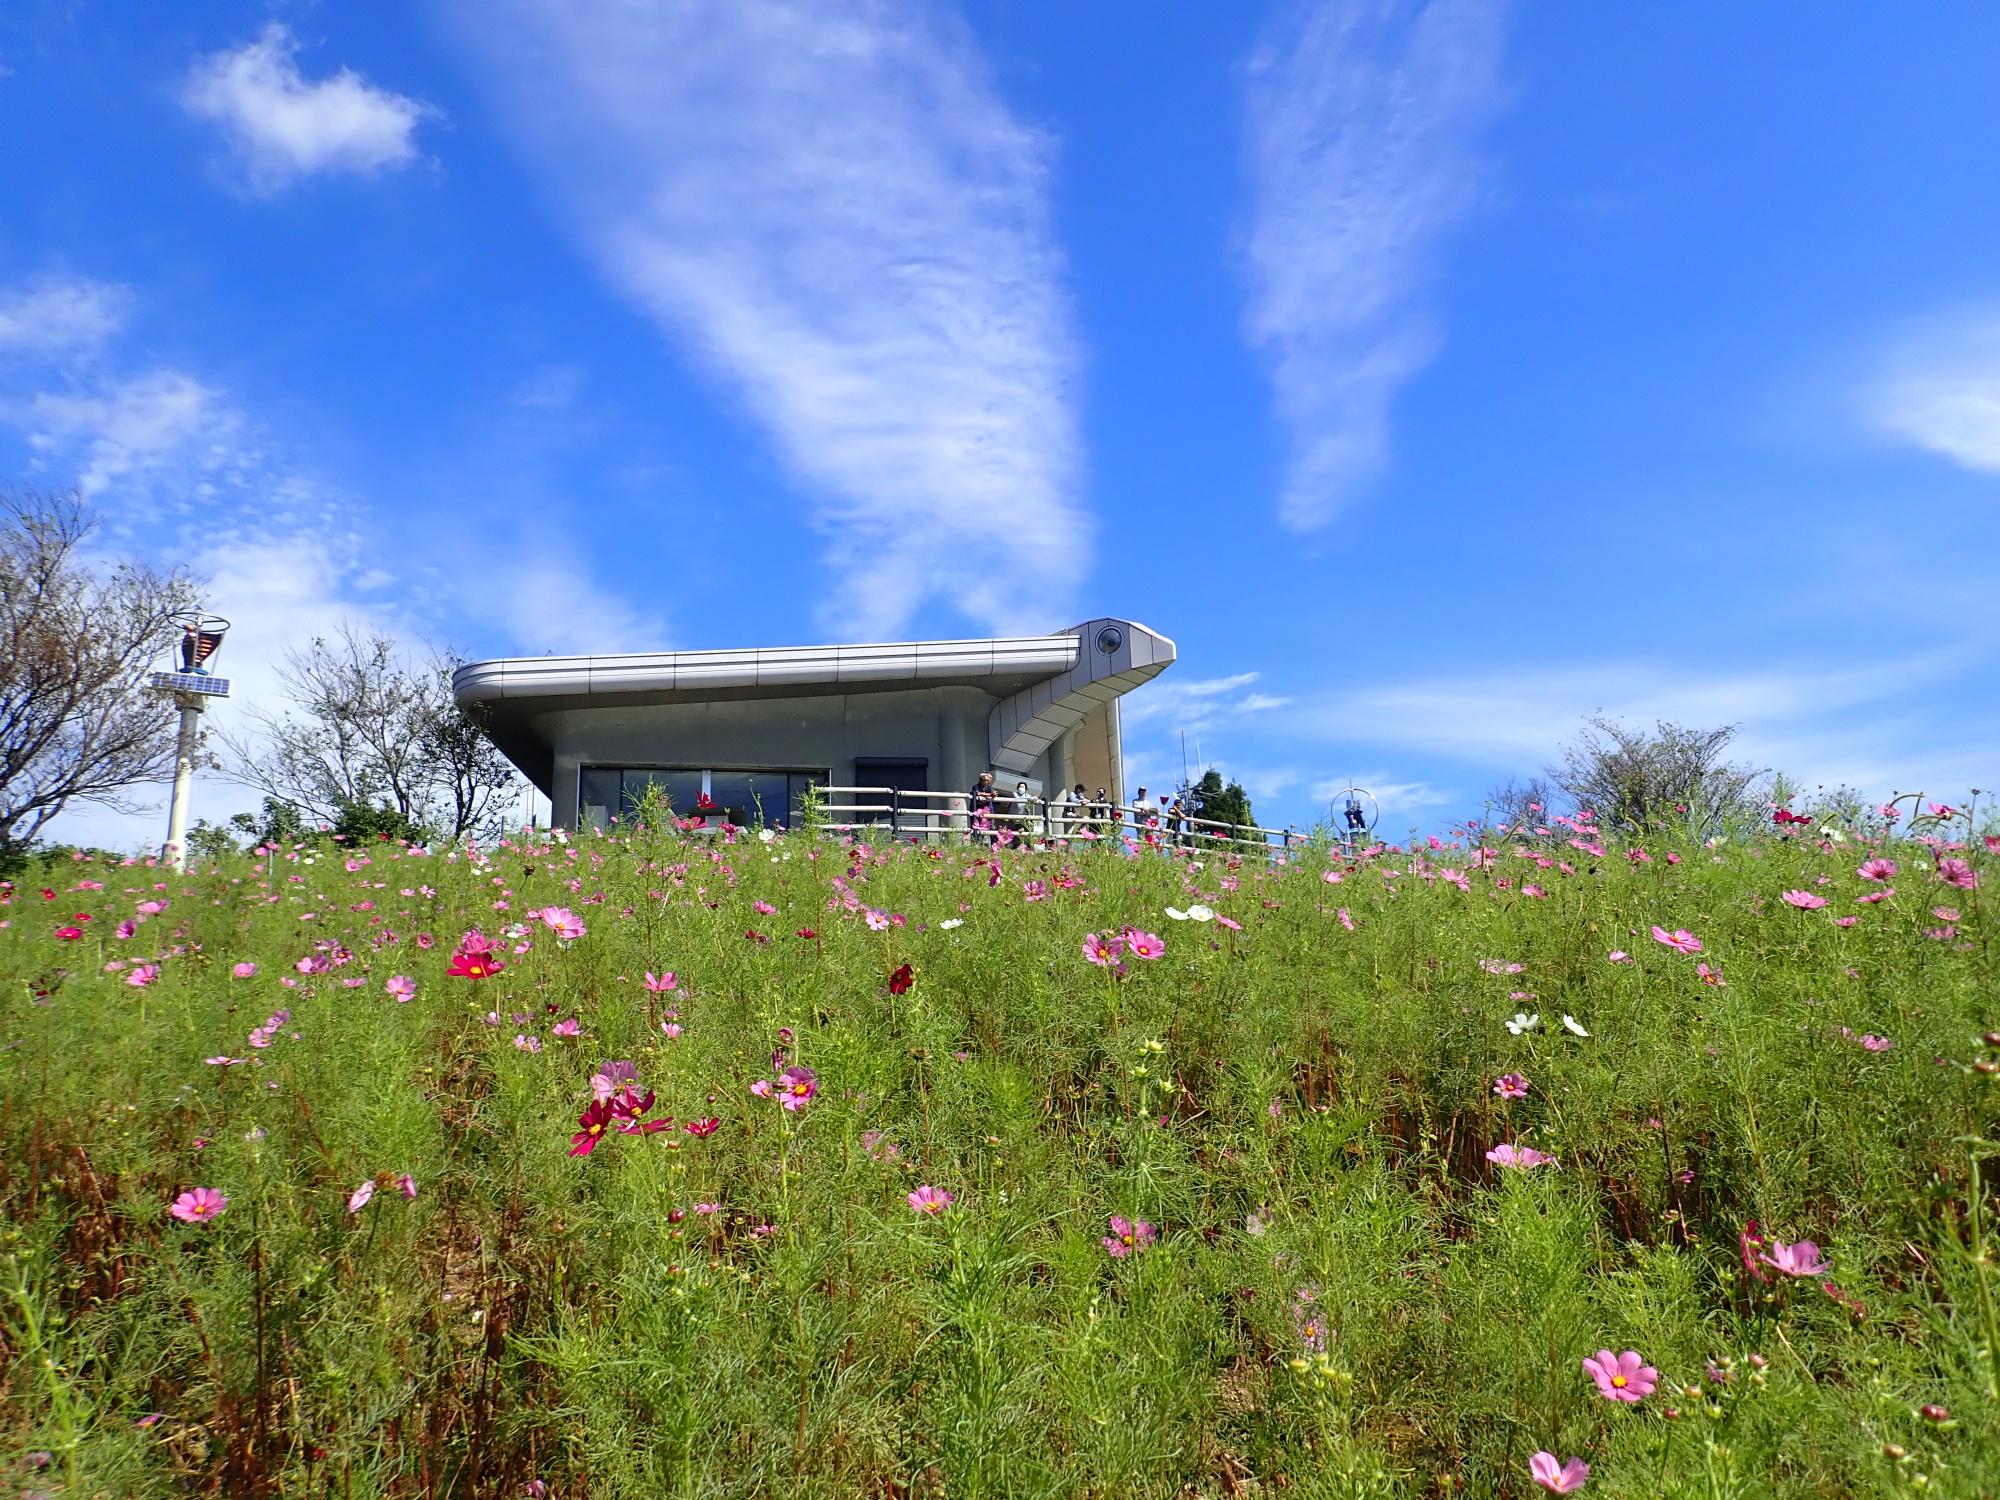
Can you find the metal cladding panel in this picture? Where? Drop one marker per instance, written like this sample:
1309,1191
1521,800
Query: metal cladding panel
795,664
540,676
654,672
937,659
1042,696
696,670
480,681
1047,654
878,663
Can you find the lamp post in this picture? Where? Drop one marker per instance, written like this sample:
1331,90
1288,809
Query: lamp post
191,687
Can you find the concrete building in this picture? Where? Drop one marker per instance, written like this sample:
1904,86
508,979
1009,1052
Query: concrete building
751,729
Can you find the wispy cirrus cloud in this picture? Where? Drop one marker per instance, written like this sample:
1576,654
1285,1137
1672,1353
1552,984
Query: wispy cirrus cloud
829,209
1173,704
1941,389
282,126
1363,123
61,316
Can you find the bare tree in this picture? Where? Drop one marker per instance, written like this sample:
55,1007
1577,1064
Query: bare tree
77,723
1635,780
473,779
366,730
1523,804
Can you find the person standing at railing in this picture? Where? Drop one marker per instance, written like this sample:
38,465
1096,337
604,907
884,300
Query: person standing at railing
982,804
1023,809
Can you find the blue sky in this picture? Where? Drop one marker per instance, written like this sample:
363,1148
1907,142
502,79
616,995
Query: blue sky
1433,374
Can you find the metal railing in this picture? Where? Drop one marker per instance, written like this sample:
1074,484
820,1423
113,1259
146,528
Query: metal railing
903,813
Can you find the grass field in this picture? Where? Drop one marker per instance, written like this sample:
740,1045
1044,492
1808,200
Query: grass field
962,1171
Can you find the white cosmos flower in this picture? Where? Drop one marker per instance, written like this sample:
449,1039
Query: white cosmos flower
950,922
1200,914
1523,1022
1573,1026
1177,914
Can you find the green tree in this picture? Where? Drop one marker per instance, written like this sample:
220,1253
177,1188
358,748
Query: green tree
1222,804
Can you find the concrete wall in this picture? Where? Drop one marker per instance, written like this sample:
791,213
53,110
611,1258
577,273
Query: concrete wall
946,726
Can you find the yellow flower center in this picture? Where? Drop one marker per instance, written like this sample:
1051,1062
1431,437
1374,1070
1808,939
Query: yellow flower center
1619,1381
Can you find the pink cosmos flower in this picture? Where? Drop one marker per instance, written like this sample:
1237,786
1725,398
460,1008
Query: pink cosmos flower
1622,1377
402,988
1800,1258
1872,1043
1230,922
1558,1478
358,1199
1680,939
1143,944
1128,1236
671,1030
764,908
1959,873
930,1200
661,984
1618,956
1710,976
1877,869
407,1185
564,923
142,975
1511,1086
796,1086
1803,900
1520,1158
244,970
198,1205
1102,950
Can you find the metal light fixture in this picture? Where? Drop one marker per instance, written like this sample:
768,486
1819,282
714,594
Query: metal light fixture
192,687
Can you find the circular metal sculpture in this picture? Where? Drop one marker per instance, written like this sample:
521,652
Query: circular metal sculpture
1351,820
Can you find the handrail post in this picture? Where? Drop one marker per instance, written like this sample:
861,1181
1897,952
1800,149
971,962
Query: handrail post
895,813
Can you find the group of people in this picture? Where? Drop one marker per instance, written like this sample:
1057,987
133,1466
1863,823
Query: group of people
989,809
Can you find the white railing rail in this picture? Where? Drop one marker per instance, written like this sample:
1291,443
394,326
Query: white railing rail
904,813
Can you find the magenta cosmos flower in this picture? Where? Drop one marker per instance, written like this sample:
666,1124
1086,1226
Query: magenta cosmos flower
564,923
1680,939
1959,873
1511,1086
401,988
1877,870
931,1200
245,970
1128,1236
1801,1258
1102,949
1558,1478
1803,900
198,1205
1520,1158
794,1088
1144,945
1622,1377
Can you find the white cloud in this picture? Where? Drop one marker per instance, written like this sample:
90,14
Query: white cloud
1362,123
60,317
1942,390
282,127
130,431
829,208
1191,704
1881,725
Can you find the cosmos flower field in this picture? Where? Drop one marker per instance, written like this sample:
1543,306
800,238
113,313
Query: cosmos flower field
666,1163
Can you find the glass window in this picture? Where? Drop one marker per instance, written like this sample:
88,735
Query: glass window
597,796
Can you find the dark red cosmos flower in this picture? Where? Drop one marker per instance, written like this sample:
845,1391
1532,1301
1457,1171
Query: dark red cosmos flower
595,1121
69,934
47,894
753,935
901,980
474,965
702,1127
808,933
1785,815
631,1109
